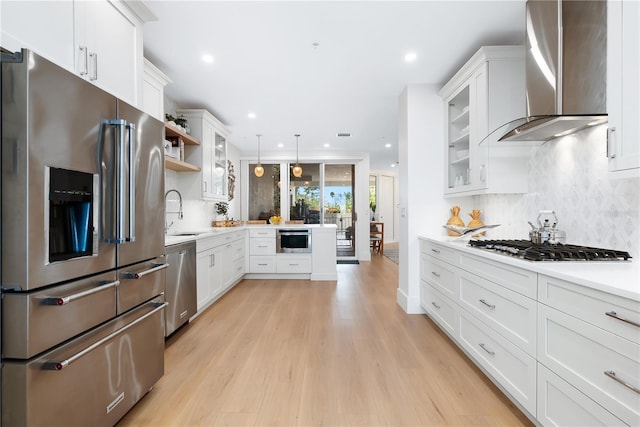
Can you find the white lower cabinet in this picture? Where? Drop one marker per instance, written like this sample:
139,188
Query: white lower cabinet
293,264
219,265
511,367
441,309
604,366
568,354
560,404
262,264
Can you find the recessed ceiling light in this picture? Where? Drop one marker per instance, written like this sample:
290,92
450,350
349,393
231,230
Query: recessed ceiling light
387,145
410,57
280,145
207,58
393,165
327,145
251,115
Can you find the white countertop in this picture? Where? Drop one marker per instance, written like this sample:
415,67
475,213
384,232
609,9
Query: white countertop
181,236
620,278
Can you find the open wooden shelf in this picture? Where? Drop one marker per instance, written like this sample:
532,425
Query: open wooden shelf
173,131
178,165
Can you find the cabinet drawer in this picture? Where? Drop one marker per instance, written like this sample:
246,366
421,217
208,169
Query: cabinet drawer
615,314
509,313
516,279
560,404
259,246
441,309
583,354
511,367
439,252
262,232
440,275
238,267
262,264
293,264
209,243
234,250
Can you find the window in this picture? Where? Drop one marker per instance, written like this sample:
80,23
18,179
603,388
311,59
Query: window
264,192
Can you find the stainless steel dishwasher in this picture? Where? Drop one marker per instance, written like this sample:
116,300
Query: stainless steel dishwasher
180,285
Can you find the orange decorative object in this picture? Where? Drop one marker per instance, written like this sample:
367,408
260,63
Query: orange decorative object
475,221
455,220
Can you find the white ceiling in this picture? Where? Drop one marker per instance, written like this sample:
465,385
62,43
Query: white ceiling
265,62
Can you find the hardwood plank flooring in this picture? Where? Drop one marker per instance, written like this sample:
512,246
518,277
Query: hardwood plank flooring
305,353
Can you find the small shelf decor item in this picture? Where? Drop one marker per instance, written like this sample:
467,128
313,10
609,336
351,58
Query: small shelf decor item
275,220
455,221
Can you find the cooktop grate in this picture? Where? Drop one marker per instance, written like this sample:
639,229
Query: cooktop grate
547,252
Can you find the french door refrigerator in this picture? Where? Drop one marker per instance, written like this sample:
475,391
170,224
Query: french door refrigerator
82,248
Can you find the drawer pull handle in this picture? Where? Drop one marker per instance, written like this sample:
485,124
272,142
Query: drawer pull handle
58,365
435,274
491,306
70,298
484,347
293,265
435,251
622,319
263,246
435,305
262,264
613,376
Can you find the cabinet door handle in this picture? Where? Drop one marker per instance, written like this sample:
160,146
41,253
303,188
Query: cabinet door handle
622,319
484,347
94,57
435,274
613,376
435,251
83,53
491,306
435,305
611,143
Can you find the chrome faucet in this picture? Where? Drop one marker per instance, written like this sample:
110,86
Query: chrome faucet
180,215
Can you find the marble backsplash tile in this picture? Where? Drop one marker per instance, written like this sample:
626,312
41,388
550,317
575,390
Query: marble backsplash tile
569,175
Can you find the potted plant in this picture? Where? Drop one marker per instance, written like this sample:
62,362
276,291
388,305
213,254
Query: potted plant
222,208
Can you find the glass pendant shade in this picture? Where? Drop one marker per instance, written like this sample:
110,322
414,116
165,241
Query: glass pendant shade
258,170
297,169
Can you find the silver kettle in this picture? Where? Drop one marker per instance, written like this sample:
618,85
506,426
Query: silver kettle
546,232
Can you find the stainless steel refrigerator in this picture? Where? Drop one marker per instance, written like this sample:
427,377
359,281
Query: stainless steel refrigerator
82,248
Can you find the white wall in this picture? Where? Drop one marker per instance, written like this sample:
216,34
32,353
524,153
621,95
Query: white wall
423,210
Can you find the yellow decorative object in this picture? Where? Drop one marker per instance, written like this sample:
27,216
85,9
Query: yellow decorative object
475,221
455,221
275,220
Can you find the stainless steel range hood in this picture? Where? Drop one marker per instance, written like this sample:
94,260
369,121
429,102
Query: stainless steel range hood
566,69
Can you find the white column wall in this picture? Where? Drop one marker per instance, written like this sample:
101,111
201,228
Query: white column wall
423,210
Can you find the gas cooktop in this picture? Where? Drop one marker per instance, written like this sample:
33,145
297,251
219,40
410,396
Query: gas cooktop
547,252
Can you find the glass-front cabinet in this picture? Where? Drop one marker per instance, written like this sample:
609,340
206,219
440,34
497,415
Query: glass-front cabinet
487,92
210,182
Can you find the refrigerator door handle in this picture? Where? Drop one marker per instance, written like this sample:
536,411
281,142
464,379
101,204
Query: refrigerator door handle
131,129
113,191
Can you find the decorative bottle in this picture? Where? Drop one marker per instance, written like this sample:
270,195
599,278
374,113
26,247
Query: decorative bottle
455,220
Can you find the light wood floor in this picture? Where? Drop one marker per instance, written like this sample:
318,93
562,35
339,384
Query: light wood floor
300,353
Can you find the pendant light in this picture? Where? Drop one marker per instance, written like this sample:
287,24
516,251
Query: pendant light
297,169
258,170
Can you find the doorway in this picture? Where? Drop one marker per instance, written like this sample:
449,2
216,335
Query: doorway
339,197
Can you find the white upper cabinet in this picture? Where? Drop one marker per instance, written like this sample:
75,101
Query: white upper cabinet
487,92
153,90
43,26
623,85
211,181
100,40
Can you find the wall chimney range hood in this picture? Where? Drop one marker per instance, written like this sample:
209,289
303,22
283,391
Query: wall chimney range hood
566,69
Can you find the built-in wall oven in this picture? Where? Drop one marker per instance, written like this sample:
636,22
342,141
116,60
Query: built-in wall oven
293,240
83,282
